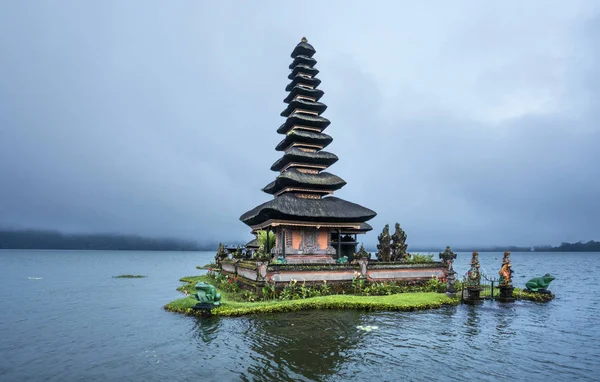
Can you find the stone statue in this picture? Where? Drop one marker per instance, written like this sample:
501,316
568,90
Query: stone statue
362,253
448,258
540,284
342,260
384,244
221,254
474,275
207,296
399,244
238,253
506,271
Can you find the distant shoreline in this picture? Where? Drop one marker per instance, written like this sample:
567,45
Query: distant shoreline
52,240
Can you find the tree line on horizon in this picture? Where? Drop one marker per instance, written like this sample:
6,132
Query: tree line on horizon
43,239
40,239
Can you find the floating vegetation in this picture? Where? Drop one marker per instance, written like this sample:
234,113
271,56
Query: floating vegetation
367,328
129,277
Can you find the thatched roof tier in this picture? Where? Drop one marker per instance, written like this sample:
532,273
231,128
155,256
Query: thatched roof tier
303,60
302,68
290,207
364,227
302,119
304,136
294,178
303,48
316,107
298,79
299,90
296,155
252,244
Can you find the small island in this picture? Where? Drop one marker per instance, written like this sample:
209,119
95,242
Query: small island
304,252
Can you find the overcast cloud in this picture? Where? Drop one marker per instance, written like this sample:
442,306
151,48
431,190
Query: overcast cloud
467,122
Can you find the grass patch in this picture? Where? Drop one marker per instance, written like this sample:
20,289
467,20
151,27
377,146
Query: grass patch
522,294
207,266
519,294
233,306
129,277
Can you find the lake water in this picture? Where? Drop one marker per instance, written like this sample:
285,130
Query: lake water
64,318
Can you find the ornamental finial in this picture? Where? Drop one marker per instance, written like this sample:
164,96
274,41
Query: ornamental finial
304,39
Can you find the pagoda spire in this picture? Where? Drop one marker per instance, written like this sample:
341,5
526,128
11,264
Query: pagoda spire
303,212
303,162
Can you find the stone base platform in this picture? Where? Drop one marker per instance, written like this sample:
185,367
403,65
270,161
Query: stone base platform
506,294
473,296
257,273
309,259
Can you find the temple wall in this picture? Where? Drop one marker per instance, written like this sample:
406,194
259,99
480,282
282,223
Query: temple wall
316,276
247,273
323,238
228,267
317,272
405,274
296,238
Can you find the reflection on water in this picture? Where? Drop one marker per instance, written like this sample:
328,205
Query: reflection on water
302,344
472,323
116,330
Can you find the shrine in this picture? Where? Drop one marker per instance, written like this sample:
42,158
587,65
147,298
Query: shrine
310,225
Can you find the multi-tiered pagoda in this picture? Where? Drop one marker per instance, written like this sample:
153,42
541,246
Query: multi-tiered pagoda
309,224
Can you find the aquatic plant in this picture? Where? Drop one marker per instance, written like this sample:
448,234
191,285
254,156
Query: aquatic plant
129,277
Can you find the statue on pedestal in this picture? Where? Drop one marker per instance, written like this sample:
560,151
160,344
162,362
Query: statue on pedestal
399,244
474,282
207,296
505,284
384,244
448,258
221,254
506,271
539,284
362,253
474,275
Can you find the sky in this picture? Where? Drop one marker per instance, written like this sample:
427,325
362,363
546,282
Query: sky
468,122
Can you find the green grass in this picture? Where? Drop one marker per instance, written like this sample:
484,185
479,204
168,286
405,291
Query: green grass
519,294
129,277
207,266
233,307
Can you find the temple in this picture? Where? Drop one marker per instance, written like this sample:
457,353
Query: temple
309,223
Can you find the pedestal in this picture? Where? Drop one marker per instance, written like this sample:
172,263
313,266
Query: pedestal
506,294
473,296
309,259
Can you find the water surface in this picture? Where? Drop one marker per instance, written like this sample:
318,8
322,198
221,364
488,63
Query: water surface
65,318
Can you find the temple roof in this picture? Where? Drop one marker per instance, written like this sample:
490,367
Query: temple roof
303,48
299,90
323,181
304,136
317,107
301,189
296,155
310,120
304,60
301,68
252,243
291,207
299,79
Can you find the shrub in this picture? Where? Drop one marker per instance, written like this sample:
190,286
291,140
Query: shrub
417,258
